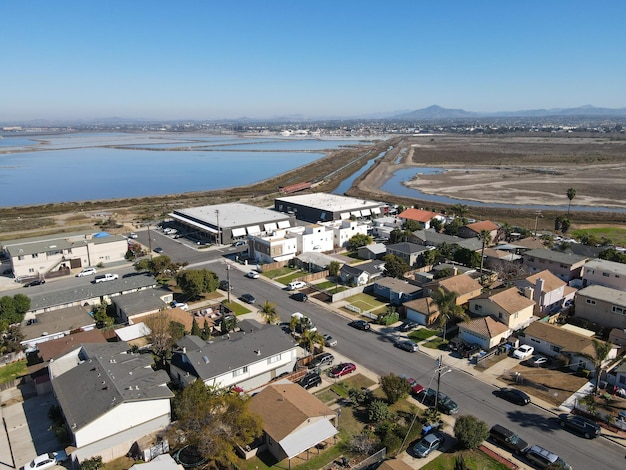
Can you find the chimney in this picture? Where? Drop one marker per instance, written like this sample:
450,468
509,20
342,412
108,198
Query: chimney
538,294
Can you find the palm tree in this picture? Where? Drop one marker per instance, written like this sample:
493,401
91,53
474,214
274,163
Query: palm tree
448,309
460,210
268,311
571,194
310,338
601,350
486,238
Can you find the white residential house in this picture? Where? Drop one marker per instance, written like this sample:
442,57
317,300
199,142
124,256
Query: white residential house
605,273
313,237
486,332
110,398
247,359
508,306
547,291
276,246
344,230
602,305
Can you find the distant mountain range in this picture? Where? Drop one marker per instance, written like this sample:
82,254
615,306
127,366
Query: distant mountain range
437,112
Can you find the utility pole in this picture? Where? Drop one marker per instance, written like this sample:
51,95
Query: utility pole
228,280
537,216
438,381
218,237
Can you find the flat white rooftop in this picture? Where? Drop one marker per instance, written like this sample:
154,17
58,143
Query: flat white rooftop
330,202
230,215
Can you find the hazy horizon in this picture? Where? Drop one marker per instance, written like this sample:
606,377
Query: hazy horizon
202,61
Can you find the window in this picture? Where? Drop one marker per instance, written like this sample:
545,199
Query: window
535,340
556,349
35,255
606,274
20,257
617,309
590,301
238,372
273,359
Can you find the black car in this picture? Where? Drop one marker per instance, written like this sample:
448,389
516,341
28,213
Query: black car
508,439
311,379
224,286
513,395
407,326
360,325
248,298
444,403
299,296
580,425
36,282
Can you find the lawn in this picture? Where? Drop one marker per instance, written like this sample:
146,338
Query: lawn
236,307
474,459
366,302
435,343
12,371
284,271
616,234
422,334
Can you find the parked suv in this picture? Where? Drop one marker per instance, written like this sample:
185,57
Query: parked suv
87,272
543,457
444,403
311,379
323,360
508,439
580,425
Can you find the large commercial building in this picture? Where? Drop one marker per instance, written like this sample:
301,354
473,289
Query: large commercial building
325,207
226,223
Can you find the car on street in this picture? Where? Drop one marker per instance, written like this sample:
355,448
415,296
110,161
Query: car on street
47,460
224,286
407,345
87,272
132,235
342,369
295,285
299,296
36,282
508,439
537,361
360,325
240,243
444,403
312,379
104,278
158,250
252,275
543,458
321,360
513,395
248,298
329,341
523,352
407,326
427,444
415,387
580,425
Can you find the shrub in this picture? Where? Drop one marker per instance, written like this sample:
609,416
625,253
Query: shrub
378,411
470,431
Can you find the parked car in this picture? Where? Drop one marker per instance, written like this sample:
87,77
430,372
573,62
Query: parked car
407,345
342,369
407,326
224,286
299,296
312,379
180,305
323,360
508,439
513,395
360,325
240,243
104,277
36,282
252,274
541,457
416,388
444,403
248,298
537,361
295,285
158,250
580,425
523,352
329,341
427,444
132,235
87,272
48,460
468,350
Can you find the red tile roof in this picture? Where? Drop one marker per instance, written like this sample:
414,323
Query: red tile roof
418,214
483,225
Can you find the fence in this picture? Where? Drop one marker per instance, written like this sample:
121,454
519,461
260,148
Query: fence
372,460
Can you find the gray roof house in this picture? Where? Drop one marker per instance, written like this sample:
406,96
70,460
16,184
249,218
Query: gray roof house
432,238
247,358
566,266
409,252
54,325
372,251
111,398
131,306
361,274
397,291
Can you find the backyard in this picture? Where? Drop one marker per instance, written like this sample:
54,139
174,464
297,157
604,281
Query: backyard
366,303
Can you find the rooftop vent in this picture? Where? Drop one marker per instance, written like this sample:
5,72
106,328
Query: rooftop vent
205,359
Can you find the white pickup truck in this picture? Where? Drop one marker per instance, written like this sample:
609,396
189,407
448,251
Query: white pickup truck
105,277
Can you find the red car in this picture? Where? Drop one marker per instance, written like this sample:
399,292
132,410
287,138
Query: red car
415,387
342,369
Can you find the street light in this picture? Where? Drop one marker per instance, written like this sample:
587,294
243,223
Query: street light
441,370
228,280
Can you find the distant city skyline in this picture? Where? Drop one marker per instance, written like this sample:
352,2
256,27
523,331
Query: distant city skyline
220,60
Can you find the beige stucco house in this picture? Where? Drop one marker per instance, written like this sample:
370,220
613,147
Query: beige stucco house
508,306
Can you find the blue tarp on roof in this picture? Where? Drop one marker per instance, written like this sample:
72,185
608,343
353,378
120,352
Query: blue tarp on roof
101,235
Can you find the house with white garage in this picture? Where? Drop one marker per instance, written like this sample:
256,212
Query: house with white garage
424,311
463,285
485,332
247,358
601,272
110,399
396,291
508,306
294,420
602,305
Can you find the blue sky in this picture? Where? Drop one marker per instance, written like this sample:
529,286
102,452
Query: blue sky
211,60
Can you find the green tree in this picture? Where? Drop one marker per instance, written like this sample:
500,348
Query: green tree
427,258
359,240
177,330
601,352
452,227
94,463
394,387
21,303
268,311
448,309
571,194
11,340
378,411
565,225
213,423
310,338
8,312
228,324
205,334
411,226
470,431
467,257
611,254
460,210
333,268
195,328
395,266
101,316
436,225
194,282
